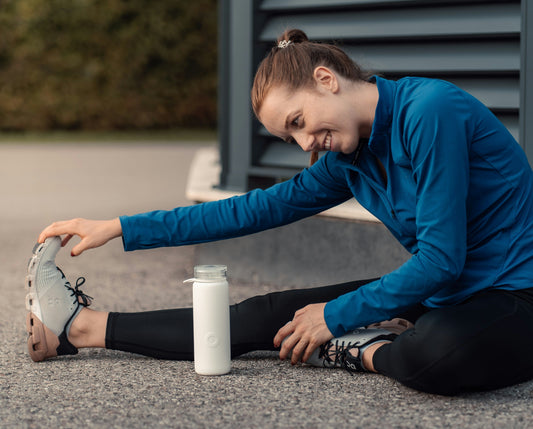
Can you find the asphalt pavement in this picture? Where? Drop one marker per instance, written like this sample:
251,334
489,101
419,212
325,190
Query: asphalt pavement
41,183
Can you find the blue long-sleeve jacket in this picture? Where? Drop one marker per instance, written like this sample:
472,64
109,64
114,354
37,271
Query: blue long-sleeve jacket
458,196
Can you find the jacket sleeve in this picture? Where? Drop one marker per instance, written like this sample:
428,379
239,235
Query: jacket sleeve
436,135
309,192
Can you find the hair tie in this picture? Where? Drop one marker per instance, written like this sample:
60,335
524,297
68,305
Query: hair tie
284,43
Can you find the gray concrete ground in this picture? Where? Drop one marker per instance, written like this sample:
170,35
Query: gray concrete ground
40,183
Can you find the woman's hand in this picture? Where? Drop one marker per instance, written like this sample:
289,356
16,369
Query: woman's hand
93,233
302,335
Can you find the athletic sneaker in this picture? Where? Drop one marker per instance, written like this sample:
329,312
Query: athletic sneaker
52,303
347,351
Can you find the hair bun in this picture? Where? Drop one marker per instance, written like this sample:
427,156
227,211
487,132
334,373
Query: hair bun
293,36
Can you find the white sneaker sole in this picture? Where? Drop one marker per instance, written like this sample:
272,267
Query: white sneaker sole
32,299
42,342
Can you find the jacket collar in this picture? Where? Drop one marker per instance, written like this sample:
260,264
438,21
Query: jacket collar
383,116
379,137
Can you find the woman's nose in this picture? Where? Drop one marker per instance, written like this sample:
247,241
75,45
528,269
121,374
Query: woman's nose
306,141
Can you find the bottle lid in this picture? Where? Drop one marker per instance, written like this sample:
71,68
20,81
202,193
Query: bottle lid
208,272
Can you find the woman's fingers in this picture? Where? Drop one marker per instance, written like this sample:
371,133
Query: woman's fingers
282,333
298,351
287,339
302,335
93,233
49,231
66,240
69,227
78,249
311,347
288,347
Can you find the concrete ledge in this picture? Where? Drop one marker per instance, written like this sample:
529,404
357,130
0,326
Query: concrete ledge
204,176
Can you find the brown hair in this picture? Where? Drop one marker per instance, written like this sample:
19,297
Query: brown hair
292,62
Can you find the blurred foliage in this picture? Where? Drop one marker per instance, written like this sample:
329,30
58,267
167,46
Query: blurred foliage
107,64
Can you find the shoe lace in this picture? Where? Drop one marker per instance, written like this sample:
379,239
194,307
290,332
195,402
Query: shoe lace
340,352
75,291
86,300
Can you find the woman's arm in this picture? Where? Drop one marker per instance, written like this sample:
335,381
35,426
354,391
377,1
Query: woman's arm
309,192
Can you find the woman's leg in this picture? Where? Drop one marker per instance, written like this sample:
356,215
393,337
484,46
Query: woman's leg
483,343
168,334
88,329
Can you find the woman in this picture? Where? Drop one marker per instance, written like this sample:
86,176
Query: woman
429,160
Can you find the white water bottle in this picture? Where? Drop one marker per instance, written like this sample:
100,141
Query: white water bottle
211,323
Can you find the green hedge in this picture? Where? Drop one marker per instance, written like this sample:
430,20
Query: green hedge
107,64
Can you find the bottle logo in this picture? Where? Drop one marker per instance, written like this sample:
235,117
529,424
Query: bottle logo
211,339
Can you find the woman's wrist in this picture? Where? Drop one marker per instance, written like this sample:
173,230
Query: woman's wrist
115,228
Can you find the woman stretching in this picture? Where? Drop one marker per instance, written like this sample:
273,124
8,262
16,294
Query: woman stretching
426,158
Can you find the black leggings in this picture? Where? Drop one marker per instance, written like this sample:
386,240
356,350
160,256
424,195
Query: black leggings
483,343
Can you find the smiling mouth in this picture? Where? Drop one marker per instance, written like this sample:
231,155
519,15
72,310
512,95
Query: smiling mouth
327,141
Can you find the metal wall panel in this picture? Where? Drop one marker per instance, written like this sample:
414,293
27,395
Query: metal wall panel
462,20
526,80
478,45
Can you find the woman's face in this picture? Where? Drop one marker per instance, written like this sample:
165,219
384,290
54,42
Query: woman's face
317,119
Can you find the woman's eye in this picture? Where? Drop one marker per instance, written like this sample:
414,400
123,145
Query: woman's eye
296,122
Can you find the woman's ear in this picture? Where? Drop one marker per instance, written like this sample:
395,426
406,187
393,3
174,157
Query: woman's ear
326,79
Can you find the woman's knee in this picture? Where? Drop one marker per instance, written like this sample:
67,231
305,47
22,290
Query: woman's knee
421,360
461,349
